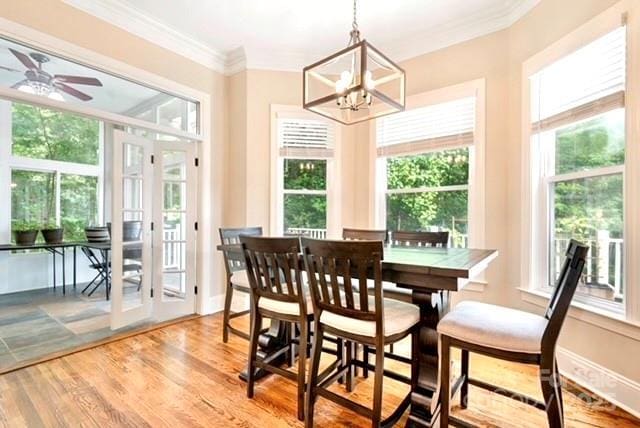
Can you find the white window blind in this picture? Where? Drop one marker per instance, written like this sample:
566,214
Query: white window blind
306,138
434,127
585,83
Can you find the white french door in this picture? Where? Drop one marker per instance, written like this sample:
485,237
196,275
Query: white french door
174,232
152,230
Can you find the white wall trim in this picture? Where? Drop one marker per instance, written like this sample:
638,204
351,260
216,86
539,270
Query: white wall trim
135,21
615,388
613,322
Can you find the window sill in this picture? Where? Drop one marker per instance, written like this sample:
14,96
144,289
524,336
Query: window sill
477,286
612,321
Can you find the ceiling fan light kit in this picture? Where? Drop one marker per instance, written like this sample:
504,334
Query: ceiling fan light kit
38,82
355,84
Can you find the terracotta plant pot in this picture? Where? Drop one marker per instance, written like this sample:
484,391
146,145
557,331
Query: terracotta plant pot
26,237
53,236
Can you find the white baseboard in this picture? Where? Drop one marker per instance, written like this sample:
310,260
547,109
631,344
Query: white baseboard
216,303
615,388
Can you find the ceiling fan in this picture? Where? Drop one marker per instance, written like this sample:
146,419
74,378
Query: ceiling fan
40,82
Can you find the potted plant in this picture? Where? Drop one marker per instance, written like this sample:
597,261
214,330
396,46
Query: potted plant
25,232
52,233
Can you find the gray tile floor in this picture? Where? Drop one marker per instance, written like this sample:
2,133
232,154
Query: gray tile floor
36,323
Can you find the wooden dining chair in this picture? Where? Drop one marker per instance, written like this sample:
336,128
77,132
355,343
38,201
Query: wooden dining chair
277,292
332,268
511,335
413,239
364,234
420,239
234,263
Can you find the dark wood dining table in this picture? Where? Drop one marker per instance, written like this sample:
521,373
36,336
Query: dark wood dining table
431,274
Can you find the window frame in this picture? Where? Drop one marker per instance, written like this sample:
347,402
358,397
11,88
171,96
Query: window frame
476,182
12,162
333,179
535,203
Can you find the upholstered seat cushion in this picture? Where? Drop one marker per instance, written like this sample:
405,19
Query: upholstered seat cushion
240,278
398,317
286,308
494,327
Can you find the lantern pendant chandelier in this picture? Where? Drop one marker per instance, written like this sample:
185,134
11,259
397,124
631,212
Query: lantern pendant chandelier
356,84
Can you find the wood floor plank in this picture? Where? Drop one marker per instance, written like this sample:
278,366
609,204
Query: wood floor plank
182,375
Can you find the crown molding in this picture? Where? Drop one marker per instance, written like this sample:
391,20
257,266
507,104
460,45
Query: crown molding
136,22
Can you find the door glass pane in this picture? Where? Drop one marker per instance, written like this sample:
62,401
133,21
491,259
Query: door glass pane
132,267
174,225
174,166
591,211
174,195
132,233
132,160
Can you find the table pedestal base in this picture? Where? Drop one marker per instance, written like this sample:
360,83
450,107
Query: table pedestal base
270,342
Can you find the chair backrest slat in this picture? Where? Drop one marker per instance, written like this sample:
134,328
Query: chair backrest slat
274,268
234,261
364,234
420,239
329,263
565,288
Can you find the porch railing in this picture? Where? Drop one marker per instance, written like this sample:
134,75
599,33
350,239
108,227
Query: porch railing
604,264
308,232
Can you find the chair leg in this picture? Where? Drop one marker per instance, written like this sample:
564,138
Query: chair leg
551,392
464,388
559,381
291,327
445,381
301,366
227,312
365,358
316,352
377,386
349,361
256,322
340,355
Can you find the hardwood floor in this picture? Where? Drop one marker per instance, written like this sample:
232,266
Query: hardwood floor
183,375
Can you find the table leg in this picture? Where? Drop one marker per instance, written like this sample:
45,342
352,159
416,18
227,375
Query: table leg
53,254
269,342
64,270
425,392
74,268
107,281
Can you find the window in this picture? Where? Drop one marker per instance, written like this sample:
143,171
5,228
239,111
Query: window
577,135
305,146
55,168
424,158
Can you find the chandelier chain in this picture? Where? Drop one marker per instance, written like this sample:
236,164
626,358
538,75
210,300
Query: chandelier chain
354,24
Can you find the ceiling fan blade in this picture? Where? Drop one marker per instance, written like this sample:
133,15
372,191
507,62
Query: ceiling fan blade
79,80
13,70
24,59
73,92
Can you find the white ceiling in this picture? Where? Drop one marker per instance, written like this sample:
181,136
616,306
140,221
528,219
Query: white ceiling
286,34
